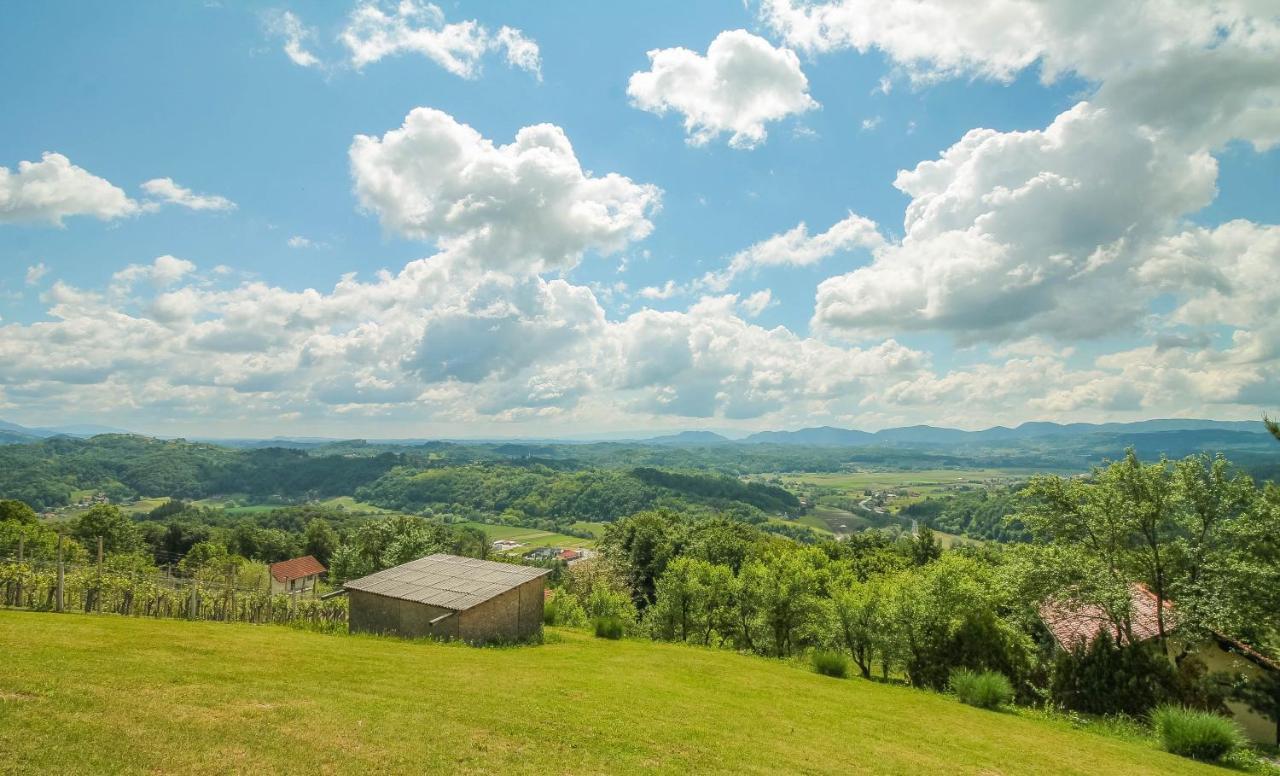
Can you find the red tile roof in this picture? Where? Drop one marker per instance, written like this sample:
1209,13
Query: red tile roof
1074,623
297,568
570,555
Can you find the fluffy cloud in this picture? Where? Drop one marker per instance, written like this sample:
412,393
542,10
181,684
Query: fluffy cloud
741,84
950,38
35,272
165,190
1014,233
797,248
53,189
438,341
373,33
709,362
527,206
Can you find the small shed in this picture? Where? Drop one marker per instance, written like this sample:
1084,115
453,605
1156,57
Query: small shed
296,575
450,597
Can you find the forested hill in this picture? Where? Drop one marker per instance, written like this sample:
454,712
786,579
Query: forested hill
541,492
456,479
47,473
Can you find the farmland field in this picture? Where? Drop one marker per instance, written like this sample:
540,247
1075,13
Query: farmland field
532,537
235,698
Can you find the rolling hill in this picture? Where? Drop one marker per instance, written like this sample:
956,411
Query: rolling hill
218,698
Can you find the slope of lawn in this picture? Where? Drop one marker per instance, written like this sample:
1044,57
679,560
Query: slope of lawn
85,693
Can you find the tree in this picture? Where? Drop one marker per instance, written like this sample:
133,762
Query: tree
17,512
925,547
858,615
1125,516
119,533
1272,426
644,543
320,540
679,601
785,587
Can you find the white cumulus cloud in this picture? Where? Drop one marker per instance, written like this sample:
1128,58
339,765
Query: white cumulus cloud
374,32
527,205
53,189
742,83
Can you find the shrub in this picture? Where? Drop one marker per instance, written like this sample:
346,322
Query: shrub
609,627
564,609
1196,734
986,690
830,663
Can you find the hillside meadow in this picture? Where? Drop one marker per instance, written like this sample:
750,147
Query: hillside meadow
83,693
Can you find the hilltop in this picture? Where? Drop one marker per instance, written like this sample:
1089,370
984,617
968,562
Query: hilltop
209,697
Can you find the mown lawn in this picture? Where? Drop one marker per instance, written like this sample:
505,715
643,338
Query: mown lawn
104,694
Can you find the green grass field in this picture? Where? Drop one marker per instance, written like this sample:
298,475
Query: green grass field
897,478
531,536
105,694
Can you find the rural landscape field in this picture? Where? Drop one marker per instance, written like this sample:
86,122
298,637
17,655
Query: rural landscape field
759,386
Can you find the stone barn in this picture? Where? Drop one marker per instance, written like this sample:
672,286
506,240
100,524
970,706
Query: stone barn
450,597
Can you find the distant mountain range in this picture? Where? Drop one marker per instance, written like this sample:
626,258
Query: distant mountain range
14,432
829,436
820,436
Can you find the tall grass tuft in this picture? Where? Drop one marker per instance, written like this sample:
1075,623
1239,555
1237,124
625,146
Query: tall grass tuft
830,663
1196,734
609,627
986,690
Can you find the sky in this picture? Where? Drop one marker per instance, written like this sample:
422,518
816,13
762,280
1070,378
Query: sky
554,220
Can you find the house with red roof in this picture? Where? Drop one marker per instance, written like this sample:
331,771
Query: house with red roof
1075,624
296,575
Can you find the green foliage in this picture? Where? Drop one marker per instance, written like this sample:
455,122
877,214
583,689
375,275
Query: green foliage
858,614
1196,734
12,511
609,627
783,591
564,610
320,540
982,514
1104,678
382,543
830,663
1194,532
985,689
119,534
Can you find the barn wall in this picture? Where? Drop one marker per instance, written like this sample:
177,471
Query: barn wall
373,613
512,616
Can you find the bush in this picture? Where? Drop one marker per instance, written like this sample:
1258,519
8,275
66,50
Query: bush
830,663
609,627
986,690
563,609
1196,734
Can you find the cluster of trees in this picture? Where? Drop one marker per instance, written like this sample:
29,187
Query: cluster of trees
46,474
1193,531
533,493
197,542
987,514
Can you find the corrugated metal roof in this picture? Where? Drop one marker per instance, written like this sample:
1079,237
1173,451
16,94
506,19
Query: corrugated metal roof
447,581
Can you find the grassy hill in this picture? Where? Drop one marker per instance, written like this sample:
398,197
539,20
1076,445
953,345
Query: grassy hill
82,693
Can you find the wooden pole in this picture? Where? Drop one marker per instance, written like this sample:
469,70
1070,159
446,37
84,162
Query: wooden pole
194,599
57,599
97,588
21,546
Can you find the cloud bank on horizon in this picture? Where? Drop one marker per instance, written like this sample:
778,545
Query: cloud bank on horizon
1097,266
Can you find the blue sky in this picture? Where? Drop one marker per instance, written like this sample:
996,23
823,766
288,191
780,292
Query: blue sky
1030,277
